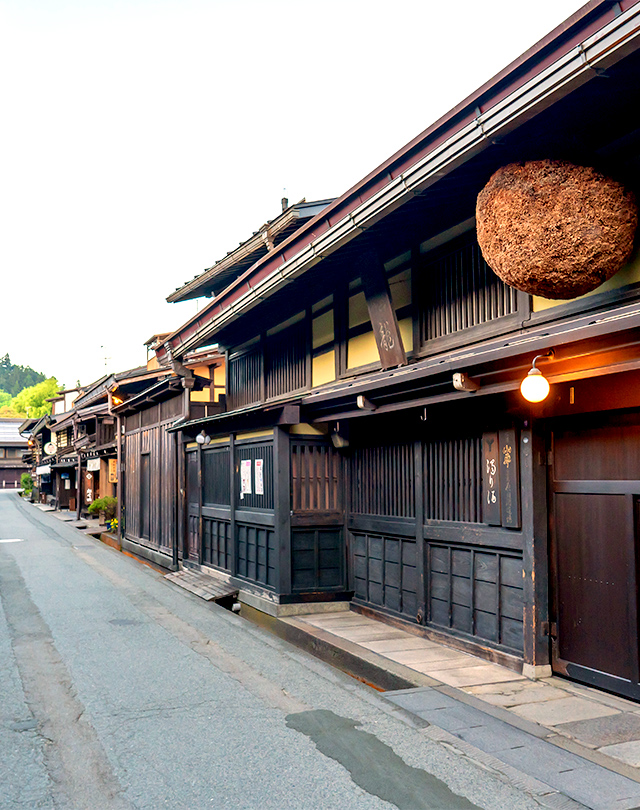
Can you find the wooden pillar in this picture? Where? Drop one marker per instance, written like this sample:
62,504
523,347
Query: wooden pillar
233,483
535,557
119,466
79,488
178,501
282,505
418,484
200,499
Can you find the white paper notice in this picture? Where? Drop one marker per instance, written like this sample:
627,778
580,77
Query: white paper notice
245,477
259,477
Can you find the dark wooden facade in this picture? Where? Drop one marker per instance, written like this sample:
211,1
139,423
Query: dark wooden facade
149,517
459,510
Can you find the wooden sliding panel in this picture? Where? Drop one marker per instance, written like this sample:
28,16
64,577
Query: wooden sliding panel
216,500
318,555
477,593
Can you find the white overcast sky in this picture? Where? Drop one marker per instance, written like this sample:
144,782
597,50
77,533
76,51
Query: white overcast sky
140,140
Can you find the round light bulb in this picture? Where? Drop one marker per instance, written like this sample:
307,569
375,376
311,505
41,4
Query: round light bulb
534,387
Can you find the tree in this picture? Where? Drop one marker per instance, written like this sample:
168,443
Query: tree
14,378
31,402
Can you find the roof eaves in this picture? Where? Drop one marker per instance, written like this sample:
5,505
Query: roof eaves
559,61
256,244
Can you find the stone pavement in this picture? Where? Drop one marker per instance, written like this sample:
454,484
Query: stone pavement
90,525
580,741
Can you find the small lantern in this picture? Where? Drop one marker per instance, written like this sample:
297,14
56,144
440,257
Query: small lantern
535,386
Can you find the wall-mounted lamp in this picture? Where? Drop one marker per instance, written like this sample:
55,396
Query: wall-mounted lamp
535,386
203,438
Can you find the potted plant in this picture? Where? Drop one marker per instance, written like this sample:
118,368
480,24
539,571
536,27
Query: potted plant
105,508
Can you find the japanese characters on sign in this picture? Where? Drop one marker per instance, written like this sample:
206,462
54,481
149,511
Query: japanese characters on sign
500,479
509,480
259,476
491,479
245,477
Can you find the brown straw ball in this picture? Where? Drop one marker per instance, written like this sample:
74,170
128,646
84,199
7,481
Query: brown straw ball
554,229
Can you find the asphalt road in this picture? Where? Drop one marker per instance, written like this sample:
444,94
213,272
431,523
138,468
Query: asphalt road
119,690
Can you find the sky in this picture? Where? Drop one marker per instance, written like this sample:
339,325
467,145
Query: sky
141,140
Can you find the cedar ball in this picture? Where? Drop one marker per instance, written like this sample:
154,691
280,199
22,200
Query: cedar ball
553,229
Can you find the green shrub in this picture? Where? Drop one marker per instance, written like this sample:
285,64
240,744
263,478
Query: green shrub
26,482
107,505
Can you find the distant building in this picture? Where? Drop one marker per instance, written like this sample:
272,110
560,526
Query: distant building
12,446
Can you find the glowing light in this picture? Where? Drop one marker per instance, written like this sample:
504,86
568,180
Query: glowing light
535,387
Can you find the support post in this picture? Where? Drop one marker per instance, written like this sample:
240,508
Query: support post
79,488
421,584
119,488
535,555
233,483
282,503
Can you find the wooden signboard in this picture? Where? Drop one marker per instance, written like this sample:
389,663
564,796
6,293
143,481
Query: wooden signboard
501,479
381,311
509,479
113,471
491,479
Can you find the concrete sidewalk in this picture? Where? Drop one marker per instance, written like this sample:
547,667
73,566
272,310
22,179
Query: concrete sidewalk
548,721
89,525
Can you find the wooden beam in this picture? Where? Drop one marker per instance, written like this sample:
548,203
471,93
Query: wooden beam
381,311
282,504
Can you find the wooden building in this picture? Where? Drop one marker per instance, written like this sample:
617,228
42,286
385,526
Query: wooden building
12,447
145,403
376,445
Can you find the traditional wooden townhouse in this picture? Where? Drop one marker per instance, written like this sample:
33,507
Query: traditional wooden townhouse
376,444
12,447
144,404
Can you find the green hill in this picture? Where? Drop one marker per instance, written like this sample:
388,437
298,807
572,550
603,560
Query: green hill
14,379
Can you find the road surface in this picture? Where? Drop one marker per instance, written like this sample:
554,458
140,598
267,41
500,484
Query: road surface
119,690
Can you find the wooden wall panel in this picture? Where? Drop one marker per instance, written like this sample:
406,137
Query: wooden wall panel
460,291
382,480
315,477
256,550
216,476
216,543
478,593
453,479
317,559
384,569
159,448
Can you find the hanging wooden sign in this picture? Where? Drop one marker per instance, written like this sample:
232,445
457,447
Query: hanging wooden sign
509,479
491,479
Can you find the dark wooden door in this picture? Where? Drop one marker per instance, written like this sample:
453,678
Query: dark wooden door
595,487
192,555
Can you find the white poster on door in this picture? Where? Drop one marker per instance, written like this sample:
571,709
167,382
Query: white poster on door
245,477
259,476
